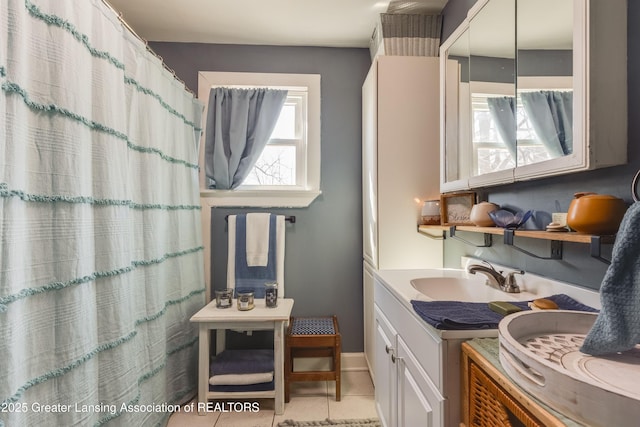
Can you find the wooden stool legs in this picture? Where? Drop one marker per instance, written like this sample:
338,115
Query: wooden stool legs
300,344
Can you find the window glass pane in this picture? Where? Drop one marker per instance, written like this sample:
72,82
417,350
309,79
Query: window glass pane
286,125
276,166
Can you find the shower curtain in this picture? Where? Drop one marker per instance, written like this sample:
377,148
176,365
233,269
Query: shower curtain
100,242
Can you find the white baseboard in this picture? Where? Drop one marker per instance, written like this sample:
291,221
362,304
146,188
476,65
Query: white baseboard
348,362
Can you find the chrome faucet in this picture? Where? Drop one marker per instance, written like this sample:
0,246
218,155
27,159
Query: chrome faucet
506,283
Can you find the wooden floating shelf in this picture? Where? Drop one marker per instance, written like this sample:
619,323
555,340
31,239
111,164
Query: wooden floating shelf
561,236
554,236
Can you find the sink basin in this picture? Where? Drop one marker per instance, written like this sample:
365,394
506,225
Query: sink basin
464,289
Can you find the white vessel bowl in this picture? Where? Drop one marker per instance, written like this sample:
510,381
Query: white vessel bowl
539,350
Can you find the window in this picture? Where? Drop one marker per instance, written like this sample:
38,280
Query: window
282,163
288,172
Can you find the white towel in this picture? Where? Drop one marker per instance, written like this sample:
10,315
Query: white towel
241,379
231,259
257,239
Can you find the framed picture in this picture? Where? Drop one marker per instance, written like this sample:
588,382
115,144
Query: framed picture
455,208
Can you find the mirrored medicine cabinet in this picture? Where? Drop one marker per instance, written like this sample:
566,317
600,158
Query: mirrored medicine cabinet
533,88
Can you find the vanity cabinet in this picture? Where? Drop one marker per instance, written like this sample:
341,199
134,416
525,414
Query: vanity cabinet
526,95
415,368
405,395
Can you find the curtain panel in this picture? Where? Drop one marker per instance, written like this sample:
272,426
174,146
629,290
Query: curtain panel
100,242
239,125
551,115
503,112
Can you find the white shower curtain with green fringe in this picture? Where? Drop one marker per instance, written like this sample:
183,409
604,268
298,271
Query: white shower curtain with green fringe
100,239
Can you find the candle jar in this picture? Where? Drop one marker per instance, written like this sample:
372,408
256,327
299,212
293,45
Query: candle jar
245,301
271,295
224,298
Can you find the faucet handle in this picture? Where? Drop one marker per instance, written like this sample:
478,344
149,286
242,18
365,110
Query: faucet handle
511,282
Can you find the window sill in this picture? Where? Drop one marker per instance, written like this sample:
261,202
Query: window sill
258,198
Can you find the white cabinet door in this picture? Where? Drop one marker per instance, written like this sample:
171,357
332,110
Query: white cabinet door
385,369
369,322
419,402
370,167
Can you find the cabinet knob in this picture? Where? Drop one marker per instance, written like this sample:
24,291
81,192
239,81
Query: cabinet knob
394,359
388,349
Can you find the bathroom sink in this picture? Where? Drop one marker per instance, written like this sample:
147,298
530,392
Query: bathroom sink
464,289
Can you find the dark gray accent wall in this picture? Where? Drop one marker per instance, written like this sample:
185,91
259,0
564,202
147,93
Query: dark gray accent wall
323,266
554,194
534,62
454,12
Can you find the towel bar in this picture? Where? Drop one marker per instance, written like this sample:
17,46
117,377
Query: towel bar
291,219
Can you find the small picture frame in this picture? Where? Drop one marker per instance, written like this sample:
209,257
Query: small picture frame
455,208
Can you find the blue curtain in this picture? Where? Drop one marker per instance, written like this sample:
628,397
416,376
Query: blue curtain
551,115
503,111
239,125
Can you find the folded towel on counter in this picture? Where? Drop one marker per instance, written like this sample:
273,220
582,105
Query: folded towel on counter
257,239
617,327
458,315
241,379
242,362
243,277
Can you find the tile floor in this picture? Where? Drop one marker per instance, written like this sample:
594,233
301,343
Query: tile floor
310,401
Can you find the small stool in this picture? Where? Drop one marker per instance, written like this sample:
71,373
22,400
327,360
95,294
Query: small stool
312,337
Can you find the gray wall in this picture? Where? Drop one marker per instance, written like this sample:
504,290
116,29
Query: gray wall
554,194
324,247
323,267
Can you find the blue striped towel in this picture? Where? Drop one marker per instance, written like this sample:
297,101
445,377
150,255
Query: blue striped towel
253,278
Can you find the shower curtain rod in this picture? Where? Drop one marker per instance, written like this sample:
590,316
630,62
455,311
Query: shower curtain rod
146,44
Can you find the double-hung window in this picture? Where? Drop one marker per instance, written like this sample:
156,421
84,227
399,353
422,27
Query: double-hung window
282,164
287,174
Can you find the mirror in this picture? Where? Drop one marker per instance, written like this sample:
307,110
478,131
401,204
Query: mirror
458,102
492,83
531,89
544,111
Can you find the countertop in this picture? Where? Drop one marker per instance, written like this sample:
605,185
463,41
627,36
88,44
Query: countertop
398,282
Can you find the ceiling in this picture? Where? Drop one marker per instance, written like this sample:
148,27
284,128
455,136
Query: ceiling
334,23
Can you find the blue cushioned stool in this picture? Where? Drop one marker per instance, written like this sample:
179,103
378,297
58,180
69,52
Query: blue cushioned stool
312,337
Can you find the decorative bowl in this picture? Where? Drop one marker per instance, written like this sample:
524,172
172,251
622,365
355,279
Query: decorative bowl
480,214
505,219
598,214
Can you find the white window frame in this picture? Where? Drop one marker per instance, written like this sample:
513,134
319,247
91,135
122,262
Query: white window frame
267,196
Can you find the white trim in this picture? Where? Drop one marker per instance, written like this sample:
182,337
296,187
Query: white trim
296,197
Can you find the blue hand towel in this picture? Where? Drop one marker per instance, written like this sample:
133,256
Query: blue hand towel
242,362
460,315
617,327
253,278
